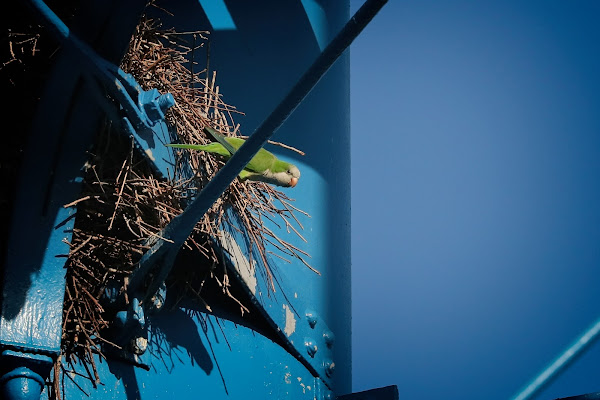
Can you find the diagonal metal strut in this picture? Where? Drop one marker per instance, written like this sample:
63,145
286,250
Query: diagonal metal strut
163,252
562,362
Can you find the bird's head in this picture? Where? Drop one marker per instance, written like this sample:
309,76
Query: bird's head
282,174
294,174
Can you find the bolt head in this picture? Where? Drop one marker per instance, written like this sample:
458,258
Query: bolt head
329,338
311,318
21,383
158,300
311,347
139,345
329,368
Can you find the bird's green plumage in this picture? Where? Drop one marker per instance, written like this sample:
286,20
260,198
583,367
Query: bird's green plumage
262,164
262,161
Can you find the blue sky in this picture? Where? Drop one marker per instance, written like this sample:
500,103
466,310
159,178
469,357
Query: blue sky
475,201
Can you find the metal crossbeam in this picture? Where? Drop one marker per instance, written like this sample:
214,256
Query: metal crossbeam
564,360
178,230
144,121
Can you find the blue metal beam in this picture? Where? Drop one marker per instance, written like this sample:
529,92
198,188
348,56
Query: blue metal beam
557,366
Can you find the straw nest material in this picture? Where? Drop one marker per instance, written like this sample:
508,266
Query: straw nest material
122,204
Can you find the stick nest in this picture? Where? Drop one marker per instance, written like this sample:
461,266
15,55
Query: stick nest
123,205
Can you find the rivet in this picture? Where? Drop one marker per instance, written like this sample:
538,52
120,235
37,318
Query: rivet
311,318
329,368
329,338
139,345
158,300
311,347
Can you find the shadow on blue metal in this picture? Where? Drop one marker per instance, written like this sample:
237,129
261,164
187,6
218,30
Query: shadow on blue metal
384,393
589,396
50,176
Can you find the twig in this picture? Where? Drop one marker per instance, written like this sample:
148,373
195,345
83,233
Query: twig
285,146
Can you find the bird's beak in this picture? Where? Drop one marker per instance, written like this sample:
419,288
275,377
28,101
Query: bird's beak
293,182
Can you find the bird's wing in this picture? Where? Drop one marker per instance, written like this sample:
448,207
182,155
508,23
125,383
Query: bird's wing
262,161
245,174
222,139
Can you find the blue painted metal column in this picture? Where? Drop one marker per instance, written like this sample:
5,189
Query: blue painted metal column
257,61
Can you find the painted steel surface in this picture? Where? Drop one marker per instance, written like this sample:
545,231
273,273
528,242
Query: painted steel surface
308,311
193,355
560,363
257,63
51,173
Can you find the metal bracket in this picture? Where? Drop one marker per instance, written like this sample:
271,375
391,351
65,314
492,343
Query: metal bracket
303,333
144,110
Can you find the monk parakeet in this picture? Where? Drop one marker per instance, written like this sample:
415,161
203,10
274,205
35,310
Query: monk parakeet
264,166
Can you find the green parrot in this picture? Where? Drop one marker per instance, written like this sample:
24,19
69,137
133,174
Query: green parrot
264,166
